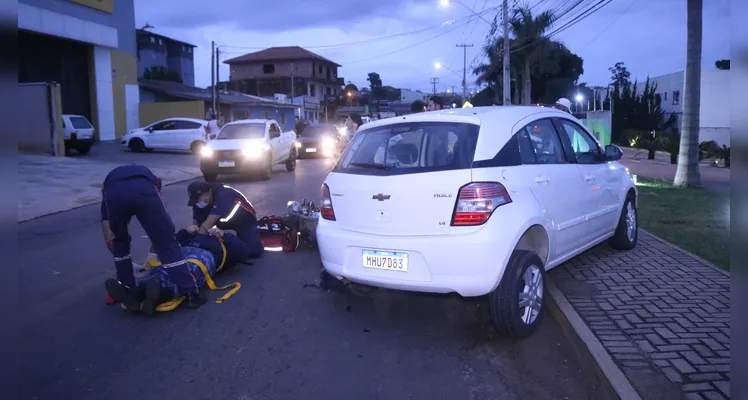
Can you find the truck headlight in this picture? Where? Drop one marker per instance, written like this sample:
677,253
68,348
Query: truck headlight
328,143
206,152
254,150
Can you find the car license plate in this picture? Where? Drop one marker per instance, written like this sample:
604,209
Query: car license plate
311,150
388,260
226,163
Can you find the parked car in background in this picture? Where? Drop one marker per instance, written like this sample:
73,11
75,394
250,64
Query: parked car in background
477,201
180,134
78,133
318,140
252,145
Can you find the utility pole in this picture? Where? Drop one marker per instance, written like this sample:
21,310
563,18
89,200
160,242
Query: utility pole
292,91
215,87
453,89
213,75
434,81
464,69
507,71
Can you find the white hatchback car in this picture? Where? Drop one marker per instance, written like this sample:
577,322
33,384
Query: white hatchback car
169,134
474,201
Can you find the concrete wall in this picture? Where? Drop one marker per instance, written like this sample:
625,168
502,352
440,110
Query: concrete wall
152,112
409,96
284,116
122,20
43,133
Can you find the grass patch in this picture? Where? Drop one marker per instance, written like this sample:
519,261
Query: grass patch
696,220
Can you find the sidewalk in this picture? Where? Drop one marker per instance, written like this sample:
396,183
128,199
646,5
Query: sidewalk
661,314
52,184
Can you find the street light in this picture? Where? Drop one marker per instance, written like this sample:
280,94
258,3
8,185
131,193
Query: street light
445,4
437,65
579,97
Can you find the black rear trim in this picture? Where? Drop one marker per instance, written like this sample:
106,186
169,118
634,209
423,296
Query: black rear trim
508,156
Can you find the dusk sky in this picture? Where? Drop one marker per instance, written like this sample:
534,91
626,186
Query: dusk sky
648,36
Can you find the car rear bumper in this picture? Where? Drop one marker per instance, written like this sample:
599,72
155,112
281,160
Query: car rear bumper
469,264
314,150
77,142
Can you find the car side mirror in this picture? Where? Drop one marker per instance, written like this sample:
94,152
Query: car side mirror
613,153
212,136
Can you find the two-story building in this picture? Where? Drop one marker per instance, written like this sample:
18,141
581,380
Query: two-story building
409,96
292,71
88,48
714,115
156,51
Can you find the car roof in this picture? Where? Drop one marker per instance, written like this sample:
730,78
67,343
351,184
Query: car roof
200,121
249,121
503,120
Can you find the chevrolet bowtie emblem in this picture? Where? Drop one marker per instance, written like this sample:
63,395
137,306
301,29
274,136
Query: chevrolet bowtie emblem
380,197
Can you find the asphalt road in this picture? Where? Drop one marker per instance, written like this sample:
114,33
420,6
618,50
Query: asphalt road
282,336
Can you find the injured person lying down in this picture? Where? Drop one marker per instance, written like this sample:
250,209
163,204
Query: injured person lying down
206,255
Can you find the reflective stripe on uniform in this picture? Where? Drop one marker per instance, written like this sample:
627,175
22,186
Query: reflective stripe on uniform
125,258
174,264
231,214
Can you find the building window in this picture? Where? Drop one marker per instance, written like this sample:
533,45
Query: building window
664,96
268,68
282,117
676,97
329,91
312,91
160,41
153,40
320,68
267,115
328,72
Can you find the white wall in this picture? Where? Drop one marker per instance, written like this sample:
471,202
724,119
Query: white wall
409,96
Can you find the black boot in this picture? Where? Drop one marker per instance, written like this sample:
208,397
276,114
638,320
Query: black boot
195,300
153,295
123,294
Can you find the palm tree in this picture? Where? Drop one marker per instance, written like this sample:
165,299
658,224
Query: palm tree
491,70
687,174
531,42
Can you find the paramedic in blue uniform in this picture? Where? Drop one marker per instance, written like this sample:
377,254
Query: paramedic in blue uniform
133,190
221,206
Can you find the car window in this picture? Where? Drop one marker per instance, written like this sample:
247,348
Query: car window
242,131
274,131
319,131
181,124
586,150
410,148
539,144
80,123
164,125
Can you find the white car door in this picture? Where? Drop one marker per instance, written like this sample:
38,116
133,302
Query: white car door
556,183
601,196
186,133
159,134
274,134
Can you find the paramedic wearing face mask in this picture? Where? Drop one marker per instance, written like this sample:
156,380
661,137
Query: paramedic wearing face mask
223,207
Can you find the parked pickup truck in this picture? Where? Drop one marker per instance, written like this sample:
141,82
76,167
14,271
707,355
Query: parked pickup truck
253,145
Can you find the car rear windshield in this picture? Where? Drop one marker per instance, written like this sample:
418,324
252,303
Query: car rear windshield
80,123
410,148
319,131
242,131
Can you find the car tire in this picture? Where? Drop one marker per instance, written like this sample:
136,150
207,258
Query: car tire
523,282
361,290
210,177
83,150
291,162
267,169
196,146
136,145
627,231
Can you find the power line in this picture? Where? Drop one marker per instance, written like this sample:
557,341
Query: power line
609,25
404,48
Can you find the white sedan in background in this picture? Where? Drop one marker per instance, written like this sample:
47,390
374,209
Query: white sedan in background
183,134
476,201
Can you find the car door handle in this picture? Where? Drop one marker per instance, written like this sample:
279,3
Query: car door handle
590,177
542,179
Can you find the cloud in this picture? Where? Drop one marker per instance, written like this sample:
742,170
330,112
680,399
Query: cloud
650,37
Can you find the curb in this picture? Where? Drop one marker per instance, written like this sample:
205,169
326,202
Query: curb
95,202
687,253
614,383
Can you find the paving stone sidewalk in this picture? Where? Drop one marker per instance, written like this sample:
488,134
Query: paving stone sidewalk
662,314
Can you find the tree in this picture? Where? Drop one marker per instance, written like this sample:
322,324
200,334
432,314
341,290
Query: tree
162,73
620,75
722,64
391,93
532,43
417,106
687,174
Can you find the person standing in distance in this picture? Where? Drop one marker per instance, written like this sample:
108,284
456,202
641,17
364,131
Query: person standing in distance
133,190
223,207
563,104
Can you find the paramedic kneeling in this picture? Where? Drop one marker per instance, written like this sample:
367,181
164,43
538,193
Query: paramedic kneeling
133,190
225,208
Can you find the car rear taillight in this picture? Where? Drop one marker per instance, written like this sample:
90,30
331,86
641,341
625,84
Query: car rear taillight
207,131
476,202
325,204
